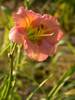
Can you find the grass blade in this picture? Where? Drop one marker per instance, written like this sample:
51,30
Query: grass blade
60,83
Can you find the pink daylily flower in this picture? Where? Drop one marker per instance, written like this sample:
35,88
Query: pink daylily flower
39,34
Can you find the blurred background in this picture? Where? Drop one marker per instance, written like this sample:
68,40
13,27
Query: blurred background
30,74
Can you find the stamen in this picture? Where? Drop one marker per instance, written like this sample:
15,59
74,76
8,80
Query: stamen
36,35
46,35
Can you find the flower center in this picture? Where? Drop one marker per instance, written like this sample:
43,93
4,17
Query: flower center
36,34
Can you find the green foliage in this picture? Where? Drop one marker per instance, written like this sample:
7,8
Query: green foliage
22,78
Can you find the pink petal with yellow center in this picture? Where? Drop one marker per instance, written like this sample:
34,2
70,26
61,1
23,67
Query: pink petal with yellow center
24,17
27,19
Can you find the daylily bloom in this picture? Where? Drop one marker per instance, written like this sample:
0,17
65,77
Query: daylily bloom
39,34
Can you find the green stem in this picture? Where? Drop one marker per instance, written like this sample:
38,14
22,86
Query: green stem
10,80
3,51
11,73
27,3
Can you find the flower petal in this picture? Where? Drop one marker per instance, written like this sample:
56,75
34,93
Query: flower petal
24,17
50,23
17,35
33,51
46,47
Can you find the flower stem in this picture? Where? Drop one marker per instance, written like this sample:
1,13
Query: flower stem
10,74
